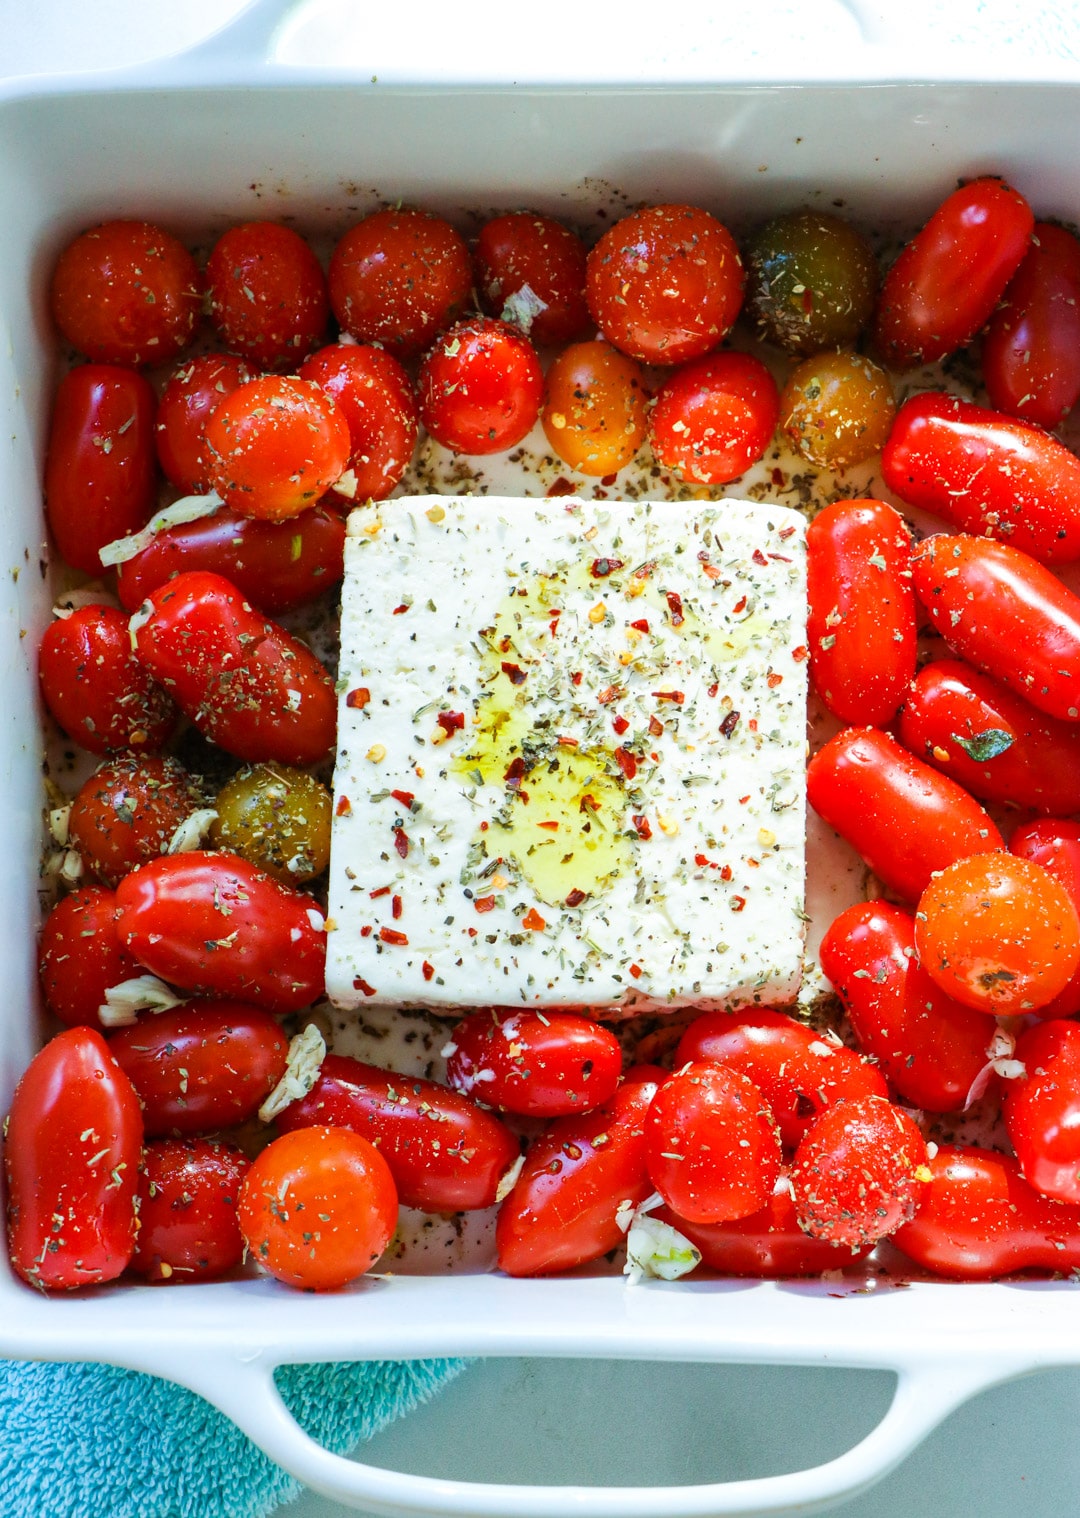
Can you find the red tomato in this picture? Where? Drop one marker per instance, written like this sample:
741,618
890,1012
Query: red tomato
861,621
562,1211
318,1208
277,566
99,467
275,446
126,292
480,387
594,409
1042,1109
797,1072
538,1065
711,1144
931,1048
715,417
187,403
530,271
1031,349
188,1194
213,923
948,279
399,278
128,811
71,1157
665,284
998,933
120,706
859,1173
267,291
445,1153
74,983
375,396
244,682
1006,614
202,1066
768,1244
901,816
991,742
979,1219
986,473
1056,846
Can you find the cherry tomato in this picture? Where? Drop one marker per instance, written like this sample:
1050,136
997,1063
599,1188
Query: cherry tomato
1042,1109
859,1173
665,284
1031,349
797,1072
1056,846
813,279
99,467
539,1066
71,1159
998,933
562,1210
1003,612
904,819
445,1153
715,417
480,387
711,1144
375,395
244,682
187,403
127,813
836,409
126,292
278,819
213,923
979,1219
97,690
594,408
530,271
74,983
275,446
932,1049
318,1208
201,1066
267,292
768,1245
986,473
991,742
399,278
188,1194
861,621
948,279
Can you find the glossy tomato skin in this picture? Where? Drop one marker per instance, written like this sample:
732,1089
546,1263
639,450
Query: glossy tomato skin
127,813
375,395
188,1195
594,408
97,690
665,284
979,1219
861,620
768,1245
1055,845
524,249
187,403
562,1210
99,466
1005,613
859,1173
244,682
267,294
480,387
715,417
836,409
445,1153
931,1047
538,1066
905,819
71,1159
986,473
1042,1109
797,1072
202,1066
74,984
214,924
993,743
1031,349
948,279
318,1208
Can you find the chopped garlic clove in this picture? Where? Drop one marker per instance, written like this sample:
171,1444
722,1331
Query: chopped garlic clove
188,509
192,833
509,1180
142,993
306,1054
655,1249
59,818
75,600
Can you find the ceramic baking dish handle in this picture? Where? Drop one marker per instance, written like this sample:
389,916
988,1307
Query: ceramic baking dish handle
246,1393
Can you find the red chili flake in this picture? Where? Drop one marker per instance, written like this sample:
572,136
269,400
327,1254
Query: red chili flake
656,727
609,694
472,932
565,742
358,698
730,723
406,798
427,970
675,606
785,532
398,610
484,903
758,557
800,653
575,678
362,985
779,478
589,803
712,690
395,907
515,774
752,724
533,921
670,695
343,808
575,898
451,722
514,673
643,571
552,827
740,605
484,826
365,931
401,842
782,557
743,800
553,625
712,571
561,486
504,645
608,479
626,762
704,862
620,724
382,891
737,903
725,872
641,823
774,679
635,971
601,568
641,625
391,935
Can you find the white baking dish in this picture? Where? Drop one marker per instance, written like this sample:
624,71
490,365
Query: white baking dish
245,139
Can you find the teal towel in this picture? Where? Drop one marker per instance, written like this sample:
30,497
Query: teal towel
93,1441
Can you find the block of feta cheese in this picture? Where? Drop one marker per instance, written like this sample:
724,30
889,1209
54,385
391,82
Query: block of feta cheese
571,762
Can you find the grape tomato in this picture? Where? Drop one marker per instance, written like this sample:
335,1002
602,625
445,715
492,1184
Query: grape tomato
538,1065
188,1195
121,708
